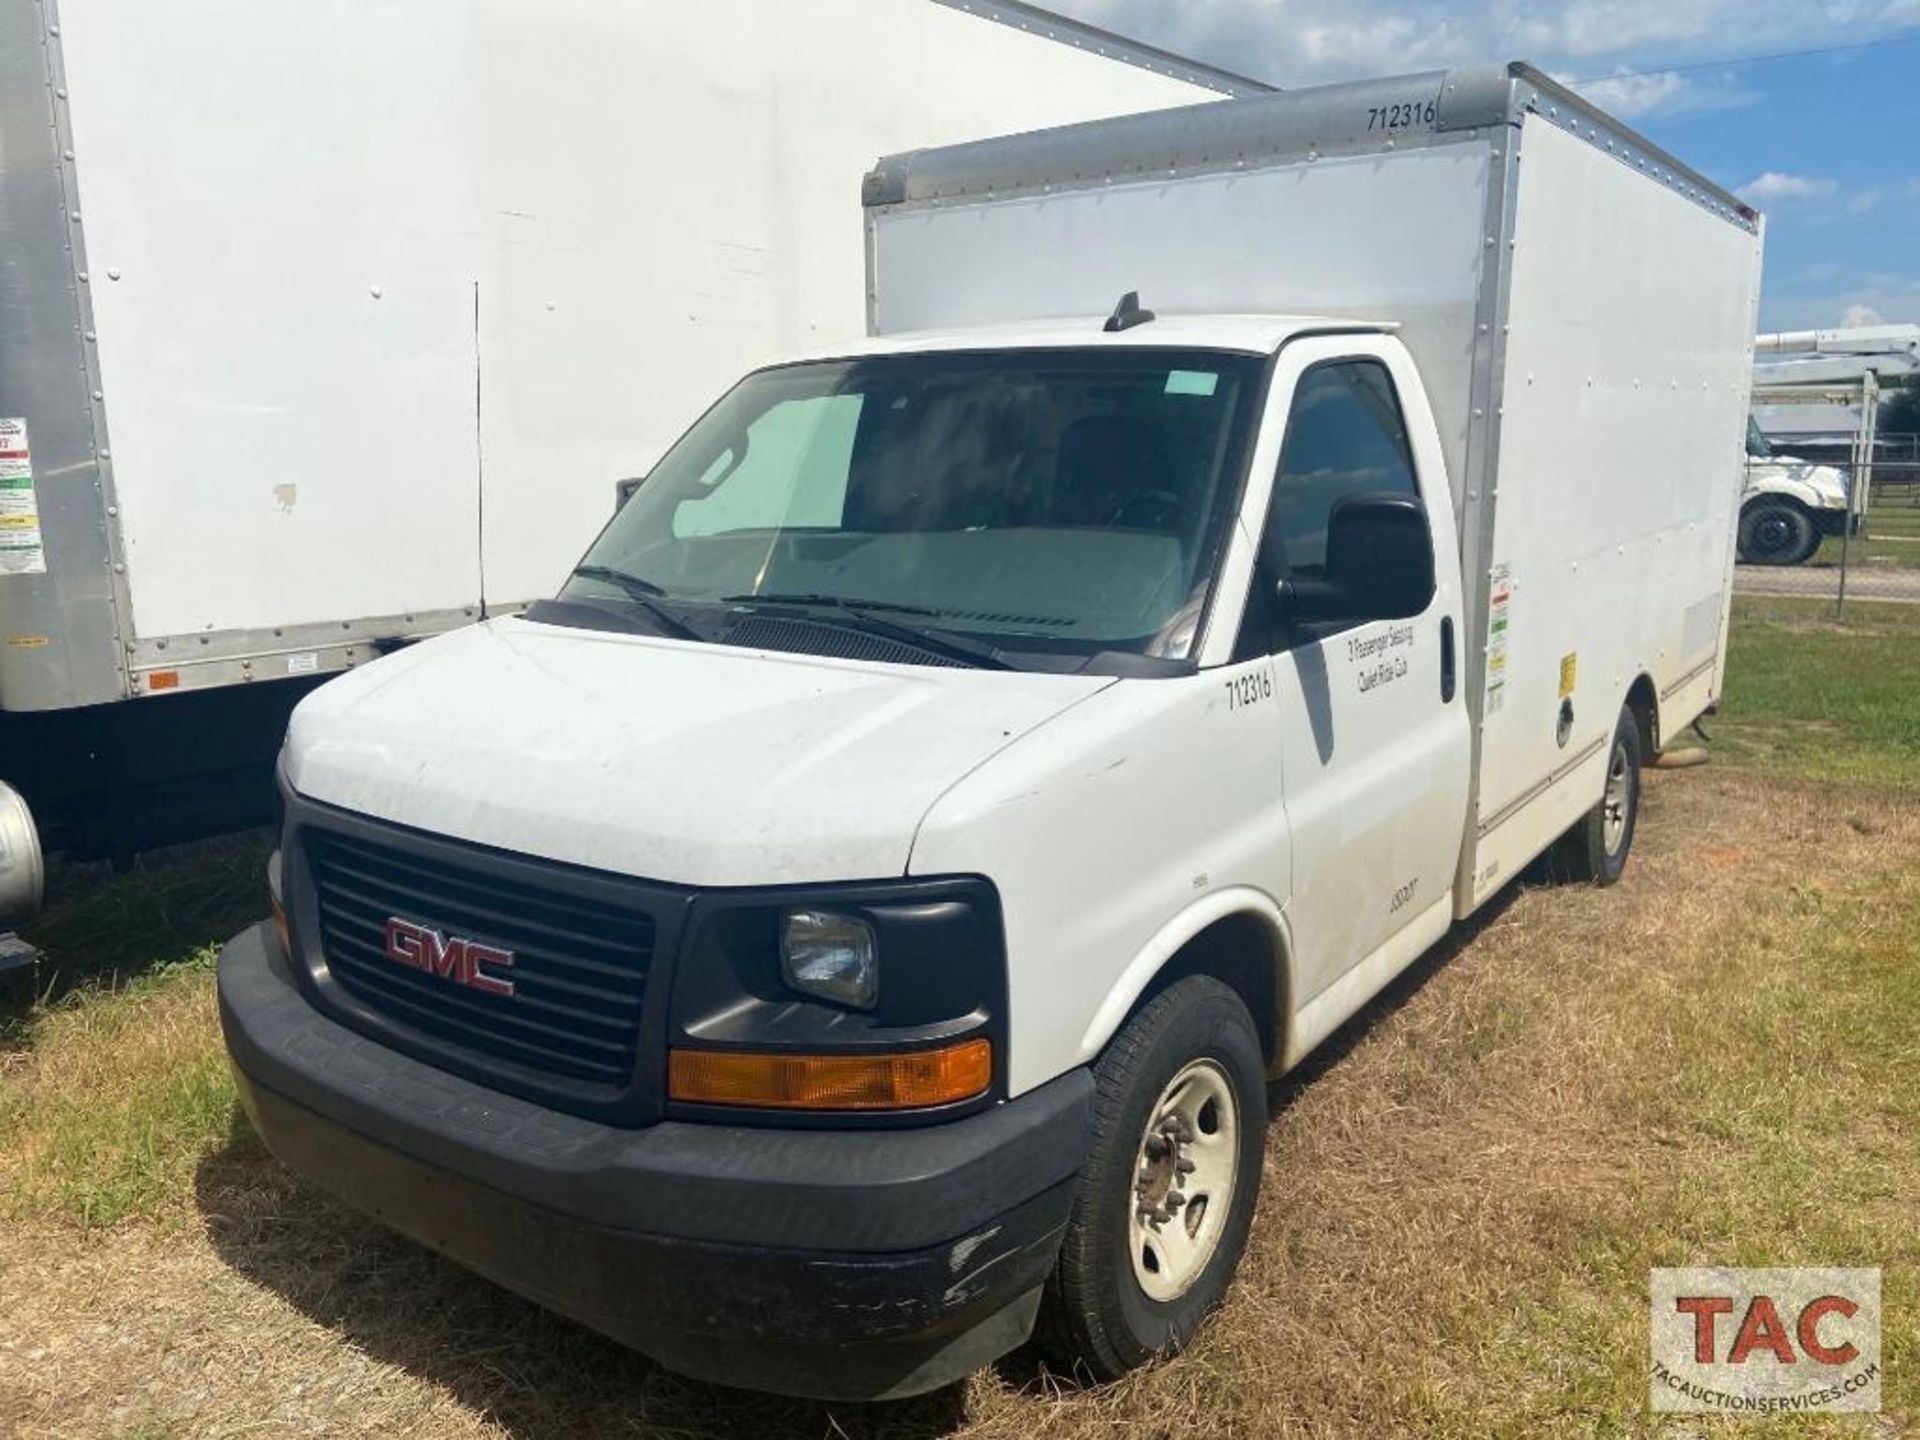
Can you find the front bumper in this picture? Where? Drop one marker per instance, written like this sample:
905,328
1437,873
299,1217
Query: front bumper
834,1264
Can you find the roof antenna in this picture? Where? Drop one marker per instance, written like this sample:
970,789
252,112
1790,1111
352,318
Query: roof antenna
1127,314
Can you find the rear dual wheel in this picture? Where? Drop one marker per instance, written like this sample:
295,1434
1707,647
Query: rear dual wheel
1168,1192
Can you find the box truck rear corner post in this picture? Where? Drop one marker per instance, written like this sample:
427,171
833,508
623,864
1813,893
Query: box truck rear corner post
270,408
850,928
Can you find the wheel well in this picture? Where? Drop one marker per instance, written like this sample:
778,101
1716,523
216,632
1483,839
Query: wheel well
1644,702
1775,497
1241,952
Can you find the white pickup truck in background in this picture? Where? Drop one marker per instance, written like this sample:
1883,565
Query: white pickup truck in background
851,927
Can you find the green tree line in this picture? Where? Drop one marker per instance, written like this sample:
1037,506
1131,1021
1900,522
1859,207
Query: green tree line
1900,407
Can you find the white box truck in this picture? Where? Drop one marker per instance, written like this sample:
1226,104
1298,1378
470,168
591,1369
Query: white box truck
853,923
324,328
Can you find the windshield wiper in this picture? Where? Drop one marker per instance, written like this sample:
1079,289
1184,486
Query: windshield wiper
857,614
643,593
843,602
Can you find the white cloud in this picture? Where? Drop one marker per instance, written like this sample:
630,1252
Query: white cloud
1310,42
1629,95
1632,95
1886,298
1775,187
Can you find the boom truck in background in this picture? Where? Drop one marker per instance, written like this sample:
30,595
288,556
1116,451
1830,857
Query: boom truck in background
312,346
1819,363
1816,399
850,927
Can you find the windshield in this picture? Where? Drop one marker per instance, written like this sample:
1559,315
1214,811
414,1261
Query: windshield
1032,502
1757,445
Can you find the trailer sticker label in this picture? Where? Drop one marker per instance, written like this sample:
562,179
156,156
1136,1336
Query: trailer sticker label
1192,382
303,663
1500,589
1569,672
22,551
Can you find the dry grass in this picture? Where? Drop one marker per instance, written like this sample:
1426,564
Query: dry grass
1715,1062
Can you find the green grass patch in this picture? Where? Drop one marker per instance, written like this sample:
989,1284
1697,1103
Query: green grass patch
1874,553
1888,540
1824,701
122,1094
100,930
115,1085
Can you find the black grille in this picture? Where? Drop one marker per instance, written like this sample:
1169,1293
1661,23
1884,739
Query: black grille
579,969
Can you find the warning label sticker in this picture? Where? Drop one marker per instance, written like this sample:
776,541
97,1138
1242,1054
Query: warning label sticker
1500,586
22,552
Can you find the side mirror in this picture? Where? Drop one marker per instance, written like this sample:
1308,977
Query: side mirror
623,491
1379,564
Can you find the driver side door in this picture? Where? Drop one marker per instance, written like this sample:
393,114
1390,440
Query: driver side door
1375,740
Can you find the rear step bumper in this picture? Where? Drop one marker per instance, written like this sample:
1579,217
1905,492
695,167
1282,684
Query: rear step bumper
826,1263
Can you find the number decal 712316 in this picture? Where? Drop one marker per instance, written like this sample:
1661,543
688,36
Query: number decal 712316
1403,115
1249,689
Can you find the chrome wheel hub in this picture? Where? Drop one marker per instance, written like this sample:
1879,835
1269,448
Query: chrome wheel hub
1617,800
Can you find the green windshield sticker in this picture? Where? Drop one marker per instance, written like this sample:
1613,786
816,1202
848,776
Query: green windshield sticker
1191,382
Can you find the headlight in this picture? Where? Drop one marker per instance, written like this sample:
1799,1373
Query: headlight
776,1000
831,955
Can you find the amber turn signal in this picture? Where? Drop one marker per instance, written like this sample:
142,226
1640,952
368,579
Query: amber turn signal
909,1079
280,926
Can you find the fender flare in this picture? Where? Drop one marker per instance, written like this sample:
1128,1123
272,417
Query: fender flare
1173,937
1784,487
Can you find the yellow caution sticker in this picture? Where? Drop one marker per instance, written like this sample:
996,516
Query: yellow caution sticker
1569,672
27,642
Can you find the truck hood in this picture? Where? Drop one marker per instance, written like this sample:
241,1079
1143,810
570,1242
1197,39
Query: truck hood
1823,487
686,763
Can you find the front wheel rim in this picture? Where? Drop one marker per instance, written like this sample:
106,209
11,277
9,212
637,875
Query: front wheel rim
1617,804
1183,1185
1772,535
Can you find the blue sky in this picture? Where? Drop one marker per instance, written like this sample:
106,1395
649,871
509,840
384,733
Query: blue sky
1827,144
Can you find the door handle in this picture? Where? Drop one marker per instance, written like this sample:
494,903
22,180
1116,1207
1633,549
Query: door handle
1446,659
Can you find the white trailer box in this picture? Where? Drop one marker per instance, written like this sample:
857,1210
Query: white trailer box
1582,323
324,328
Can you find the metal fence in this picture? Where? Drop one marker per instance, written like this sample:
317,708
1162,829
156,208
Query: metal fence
1841,522
1868,552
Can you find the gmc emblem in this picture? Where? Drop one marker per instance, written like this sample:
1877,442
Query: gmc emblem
451,958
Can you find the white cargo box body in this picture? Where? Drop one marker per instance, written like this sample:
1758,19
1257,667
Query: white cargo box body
1580,306
330,322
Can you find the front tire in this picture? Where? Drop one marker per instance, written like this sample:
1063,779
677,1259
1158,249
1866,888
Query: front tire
1594,851
1777,532
1168,1192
